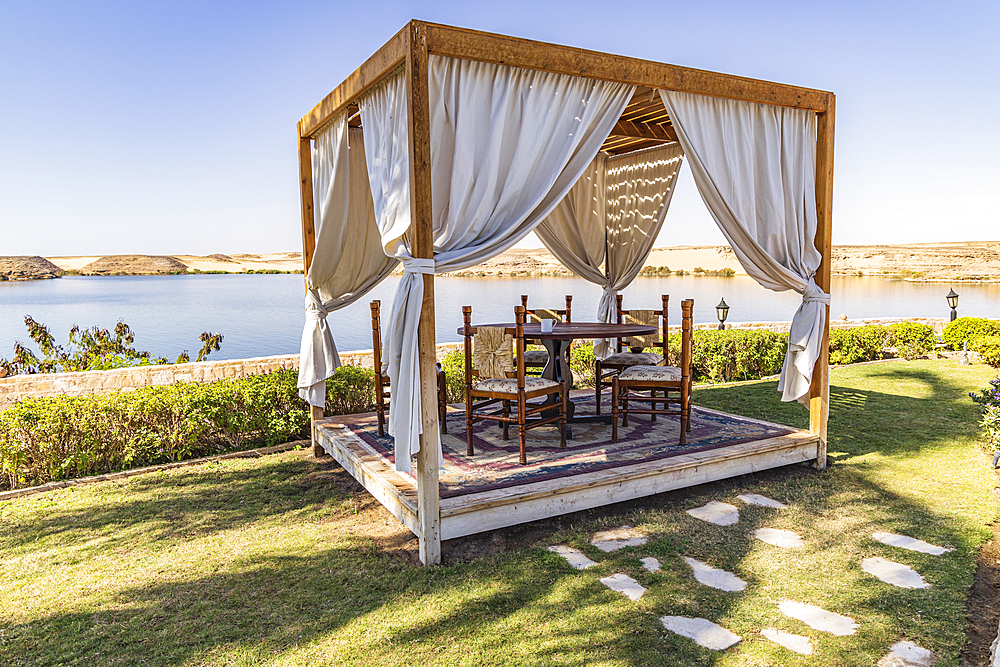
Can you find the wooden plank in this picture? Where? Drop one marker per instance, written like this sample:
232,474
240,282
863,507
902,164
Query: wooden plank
482,517
625,128
487,47
385,60
316,414
422,234
819,391
382,482
306,201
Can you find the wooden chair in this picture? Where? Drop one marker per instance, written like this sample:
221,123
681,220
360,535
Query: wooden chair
502,383
606,369
382,378
674,384
537,359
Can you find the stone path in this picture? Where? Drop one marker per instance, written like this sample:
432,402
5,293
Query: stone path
896,574
713,636
721,514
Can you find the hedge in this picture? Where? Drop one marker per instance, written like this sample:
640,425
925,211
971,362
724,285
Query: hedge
964,330
61,437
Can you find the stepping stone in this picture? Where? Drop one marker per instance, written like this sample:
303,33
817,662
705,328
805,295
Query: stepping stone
896,574
573,556
785,539
903,542
818,618
701,630
796,643
651,564
718,579
610,540
721,514
625,585
763,501
907,654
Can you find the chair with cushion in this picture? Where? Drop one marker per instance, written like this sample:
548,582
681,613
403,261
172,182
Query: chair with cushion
382,377
669,387
496,383
607,368
536,359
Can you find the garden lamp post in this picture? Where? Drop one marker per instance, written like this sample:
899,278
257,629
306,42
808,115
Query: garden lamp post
721,311
953,302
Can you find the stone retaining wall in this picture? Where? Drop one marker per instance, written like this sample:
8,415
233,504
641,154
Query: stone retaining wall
17,387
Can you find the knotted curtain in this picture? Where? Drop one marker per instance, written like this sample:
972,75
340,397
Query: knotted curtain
755,167
348,261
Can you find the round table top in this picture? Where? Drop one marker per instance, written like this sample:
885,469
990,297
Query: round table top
573,330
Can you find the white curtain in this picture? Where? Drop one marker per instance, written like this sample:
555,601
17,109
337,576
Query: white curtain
348,261
755,167
611,217
506,146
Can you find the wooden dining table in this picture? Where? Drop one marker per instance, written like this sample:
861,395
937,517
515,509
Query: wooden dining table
558,343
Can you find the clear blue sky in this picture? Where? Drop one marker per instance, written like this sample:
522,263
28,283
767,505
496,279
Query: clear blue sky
139,127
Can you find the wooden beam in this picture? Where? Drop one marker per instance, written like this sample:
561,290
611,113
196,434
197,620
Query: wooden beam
486,47
385,60
625,128
308,249
819,392
422,235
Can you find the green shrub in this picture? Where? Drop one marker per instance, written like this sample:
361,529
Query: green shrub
350,391
988,348
60,437
732,354
453,365
582,363
964,329
912,340
988,401
849,346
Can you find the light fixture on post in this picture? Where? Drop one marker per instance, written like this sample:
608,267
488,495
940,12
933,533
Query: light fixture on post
953,302
722,310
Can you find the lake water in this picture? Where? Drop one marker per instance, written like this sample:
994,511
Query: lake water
261,315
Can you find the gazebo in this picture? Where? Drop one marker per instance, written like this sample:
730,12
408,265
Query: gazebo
449,145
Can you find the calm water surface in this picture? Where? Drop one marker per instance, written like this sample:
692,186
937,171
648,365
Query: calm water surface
261,315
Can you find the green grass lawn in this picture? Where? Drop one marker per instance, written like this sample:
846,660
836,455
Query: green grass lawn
261,561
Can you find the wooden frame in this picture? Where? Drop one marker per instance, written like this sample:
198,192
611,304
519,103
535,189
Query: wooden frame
412,47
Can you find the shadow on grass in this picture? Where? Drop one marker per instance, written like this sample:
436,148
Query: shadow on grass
175,504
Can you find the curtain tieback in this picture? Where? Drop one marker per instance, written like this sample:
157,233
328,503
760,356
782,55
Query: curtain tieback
315,310
814,294
418,265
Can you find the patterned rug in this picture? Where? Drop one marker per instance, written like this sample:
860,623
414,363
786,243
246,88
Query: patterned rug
495,466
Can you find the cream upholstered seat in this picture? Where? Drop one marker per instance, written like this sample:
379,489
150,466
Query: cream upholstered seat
633,359
503,384
669,387
536,357
509,385
654,373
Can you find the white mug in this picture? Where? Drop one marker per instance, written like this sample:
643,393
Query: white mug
547,325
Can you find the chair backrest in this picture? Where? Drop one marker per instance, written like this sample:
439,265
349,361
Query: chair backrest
687,344
651,317
492,349
376,336
557,314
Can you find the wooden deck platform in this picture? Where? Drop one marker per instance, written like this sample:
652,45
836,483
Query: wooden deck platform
497,508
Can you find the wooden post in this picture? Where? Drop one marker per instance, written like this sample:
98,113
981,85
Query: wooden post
422,235
819,392
308,250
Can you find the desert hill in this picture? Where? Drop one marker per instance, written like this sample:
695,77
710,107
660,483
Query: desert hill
13,267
